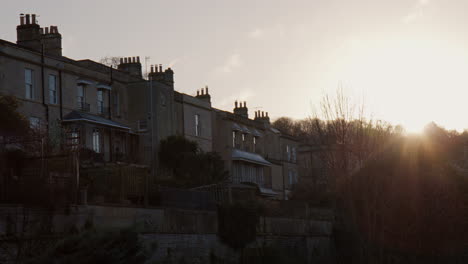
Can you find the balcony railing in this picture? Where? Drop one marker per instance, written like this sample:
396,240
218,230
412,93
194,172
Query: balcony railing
84,107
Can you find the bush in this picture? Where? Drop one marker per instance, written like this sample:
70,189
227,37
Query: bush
237,223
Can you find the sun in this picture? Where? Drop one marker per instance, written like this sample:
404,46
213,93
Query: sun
410,81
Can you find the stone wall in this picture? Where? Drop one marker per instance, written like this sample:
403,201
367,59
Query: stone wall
176,235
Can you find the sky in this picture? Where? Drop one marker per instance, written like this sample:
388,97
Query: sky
405,60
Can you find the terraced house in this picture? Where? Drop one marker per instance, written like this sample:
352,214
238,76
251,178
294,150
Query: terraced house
118,115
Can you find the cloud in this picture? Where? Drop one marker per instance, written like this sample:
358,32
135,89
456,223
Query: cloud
244,94
232,62
417,11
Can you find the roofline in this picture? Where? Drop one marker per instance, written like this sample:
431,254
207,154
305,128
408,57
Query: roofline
94,122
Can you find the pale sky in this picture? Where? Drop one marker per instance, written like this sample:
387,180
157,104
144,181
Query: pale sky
407,59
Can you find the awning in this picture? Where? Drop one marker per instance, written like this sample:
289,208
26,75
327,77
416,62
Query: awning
274,130
256,133
74,116
103,86
246,130
82,81
267,192
236,127
249,157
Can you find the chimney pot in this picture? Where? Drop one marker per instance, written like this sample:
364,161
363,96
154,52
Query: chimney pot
160,68
198,92
21,19
235,103
152,68
33,19
134,59
27,19
121,60
138,59
46,30
245,104
206,89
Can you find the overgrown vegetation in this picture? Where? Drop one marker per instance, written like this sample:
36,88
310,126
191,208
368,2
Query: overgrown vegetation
237,223
397,198
188,164
94,246
13,123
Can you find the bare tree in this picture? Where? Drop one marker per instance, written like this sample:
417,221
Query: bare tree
110,61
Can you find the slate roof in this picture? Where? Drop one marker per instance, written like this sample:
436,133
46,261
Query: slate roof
79,116
249,157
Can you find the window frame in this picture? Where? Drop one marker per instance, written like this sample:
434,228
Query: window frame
96,140
197,125
52,89
100,101
234,139
34,122
81,99
29,84
116,103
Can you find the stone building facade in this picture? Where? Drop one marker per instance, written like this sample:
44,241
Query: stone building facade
122,116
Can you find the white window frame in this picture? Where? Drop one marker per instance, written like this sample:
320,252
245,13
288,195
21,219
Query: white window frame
100,101
96,141
81,97
29,83
34,122
197,125
74,137
233,139
52,89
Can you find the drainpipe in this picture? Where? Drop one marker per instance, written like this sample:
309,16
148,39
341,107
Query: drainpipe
43,90
62,140
152,144
111,147
60,98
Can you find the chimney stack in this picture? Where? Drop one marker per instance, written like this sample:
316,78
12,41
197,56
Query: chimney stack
52,41
204,95
132,65
28,35
242,110
262,116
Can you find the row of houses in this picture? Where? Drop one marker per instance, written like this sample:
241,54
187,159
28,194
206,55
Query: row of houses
121,115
